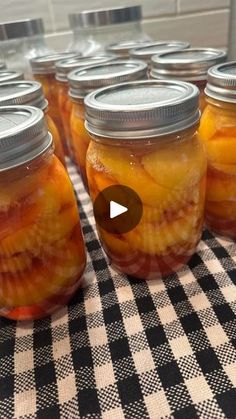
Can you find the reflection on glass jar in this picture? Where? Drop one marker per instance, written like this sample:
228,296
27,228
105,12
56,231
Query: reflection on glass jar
63,68
42,253
10,75
44,69
218,132
86,80
94,30
31,93
22,40
189,65
137,142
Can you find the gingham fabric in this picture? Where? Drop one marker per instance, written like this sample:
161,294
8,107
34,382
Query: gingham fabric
126,348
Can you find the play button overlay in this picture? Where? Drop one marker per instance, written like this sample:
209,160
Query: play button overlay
118,209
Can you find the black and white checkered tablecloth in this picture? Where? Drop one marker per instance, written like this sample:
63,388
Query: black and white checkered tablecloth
126,348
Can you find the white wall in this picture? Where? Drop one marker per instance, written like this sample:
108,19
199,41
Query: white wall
201,22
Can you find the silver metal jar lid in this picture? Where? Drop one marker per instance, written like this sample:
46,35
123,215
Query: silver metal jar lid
22,93
104,17
2,66
10,75
64,67
23,135
122,49
221,82
189,64
46,64
84,81
142,109
21,29
145,53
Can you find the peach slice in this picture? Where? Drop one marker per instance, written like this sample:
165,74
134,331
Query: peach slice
224,210
157,239
176,167
11,192
61,182
126,170
221,189
226,125
77,125
208,124
56,139
17,217
65,107
222,150
48,223
34,285
114,243
227,169
15,263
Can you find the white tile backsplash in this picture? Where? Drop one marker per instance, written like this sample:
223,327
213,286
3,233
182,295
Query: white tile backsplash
201,22
198,29
150,8
21,9
202,29
201,5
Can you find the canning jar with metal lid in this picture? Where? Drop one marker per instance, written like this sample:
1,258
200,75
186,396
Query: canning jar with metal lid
144,136
44,70
63,68
22,40
42,253
122,49
146,53
189,65
10,75
31,93
84,81
218,133
93,30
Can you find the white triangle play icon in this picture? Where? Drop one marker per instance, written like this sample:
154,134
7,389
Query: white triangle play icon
116,209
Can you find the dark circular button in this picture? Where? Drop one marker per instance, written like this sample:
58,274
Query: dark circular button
118,209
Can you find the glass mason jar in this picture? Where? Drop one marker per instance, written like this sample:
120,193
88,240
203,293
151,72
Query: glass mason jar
189,65
44,69
42,252
10,75
83,82
63,68
22,40
218,133
144,136
145,53
31,93
93,30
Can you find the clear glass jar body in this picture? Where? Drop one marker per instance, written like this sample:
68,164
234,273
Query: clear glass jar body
80,139
50,89
218,133
17,52
42,252
169,176
58,148
65,108
202,98
92,40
